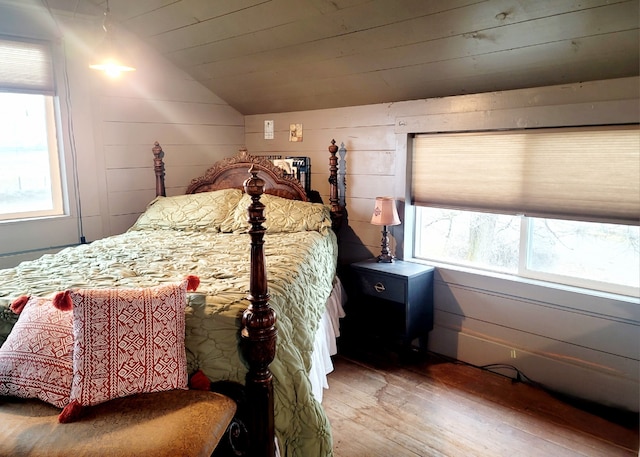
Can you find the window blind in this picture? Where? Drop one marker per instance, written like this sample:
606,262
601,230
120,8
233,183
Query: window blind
590,173
26,66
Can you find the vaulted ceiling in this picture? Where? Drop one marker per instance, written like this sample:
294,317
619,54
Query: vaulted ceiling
264,56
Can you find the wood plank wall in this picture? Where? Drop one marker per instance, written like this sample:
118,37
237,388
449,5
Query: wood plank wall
560,336
478,319
107,129
157,102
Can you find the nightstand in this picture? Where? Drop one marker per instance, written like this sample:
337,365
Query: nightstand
395,299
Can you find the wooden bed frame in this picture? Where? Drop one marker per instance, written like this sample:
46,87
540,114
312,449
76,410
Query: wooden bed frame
231,172
257,175
193,422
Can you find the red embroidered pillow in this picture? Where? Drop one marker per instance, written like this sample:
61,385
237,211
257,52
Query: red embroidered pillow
126,341
36,360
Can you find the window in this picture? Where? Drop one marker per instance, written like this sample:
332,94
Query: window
30,178
585,254
490,241
595,252
560,205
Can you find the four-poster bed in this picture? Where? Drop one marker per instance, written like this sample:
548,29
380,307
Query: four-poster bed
219,305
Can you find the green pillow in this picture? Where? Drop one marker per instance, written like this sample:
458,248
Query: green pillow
282,214
205,211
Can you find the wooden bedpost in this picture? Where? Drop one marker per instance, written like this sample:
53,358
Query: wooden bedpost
336,209
259,332
158,167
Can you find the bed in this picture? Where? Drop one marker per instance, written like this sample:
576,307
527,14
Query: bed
239,327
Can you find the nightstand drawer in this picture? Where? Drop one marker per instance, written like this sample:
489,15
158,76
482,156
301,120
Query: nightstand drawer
383,286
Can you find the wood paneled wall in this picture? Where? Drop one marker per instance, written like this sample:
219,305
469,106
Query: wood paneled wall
578,343
107,129
368,135
560,337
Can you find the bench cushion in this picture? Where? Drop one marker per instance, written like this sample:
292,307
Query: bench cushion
170,423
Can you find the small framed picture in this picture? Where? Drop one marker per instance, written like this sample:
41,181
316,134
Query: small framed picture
295,132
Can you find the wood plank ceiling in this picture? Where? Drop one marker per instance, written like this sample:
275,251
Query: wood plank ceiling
264,56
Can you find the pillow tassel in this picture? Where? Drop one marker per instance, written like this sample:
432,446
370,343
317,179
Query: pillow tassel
199,381
192,282
18,304
70,413
62,301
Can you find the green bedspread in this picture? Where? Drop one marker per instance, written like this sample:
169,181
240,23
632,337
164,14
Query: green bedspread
300,267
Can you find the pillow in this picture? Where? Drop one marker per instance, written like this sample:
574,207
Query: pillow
36,359
126,341
282,214
192,212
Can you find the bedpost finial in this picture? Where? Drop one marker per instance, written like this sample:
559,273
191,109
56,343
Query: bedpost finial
333,148
254,186
158,167
157,150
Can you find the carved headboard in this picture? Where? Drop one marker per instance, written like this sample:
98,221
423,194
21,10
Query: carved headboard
233,171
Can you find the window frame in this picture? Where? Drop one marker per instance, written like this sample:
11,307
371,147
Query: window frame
592,103
55,169
34,73
27,239
522,273
584,283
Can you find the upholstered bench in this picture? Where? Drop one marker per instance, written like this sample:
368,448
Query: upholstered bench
172,423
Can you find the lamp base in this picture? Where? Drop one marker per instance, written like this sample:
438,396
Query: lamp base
385,258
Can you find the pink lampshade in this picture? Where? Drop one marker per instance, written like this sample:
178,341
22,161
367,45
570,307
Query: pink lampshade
385,212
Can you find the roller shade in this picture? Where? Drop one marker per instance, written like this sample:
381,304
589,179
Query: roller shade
26,66
590,173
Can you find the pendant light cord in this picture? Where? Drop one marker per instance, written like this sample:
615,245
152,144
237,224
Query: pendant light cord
70,128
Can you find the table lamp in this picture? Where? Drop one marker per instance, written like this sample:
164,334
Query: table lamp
385,214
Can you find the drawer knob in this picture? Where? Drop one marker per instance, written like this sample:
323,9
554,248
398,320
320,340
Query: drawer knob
379,287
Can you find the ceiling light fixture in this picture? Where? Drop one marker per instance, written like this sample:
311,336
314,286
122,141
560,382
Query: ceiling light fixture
108,55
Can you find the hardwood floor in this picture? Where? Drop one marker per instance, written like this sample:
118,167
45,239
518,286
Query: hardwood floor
379,406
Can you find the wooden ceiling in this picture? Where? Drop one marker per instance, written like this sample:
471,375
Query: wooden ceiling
264,56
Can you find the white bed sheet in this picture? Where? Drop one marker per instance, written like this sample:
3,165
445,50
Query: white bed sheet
325,340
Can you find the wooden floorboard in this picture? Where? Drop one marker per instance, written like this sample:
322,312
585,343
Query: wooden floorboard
432,407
